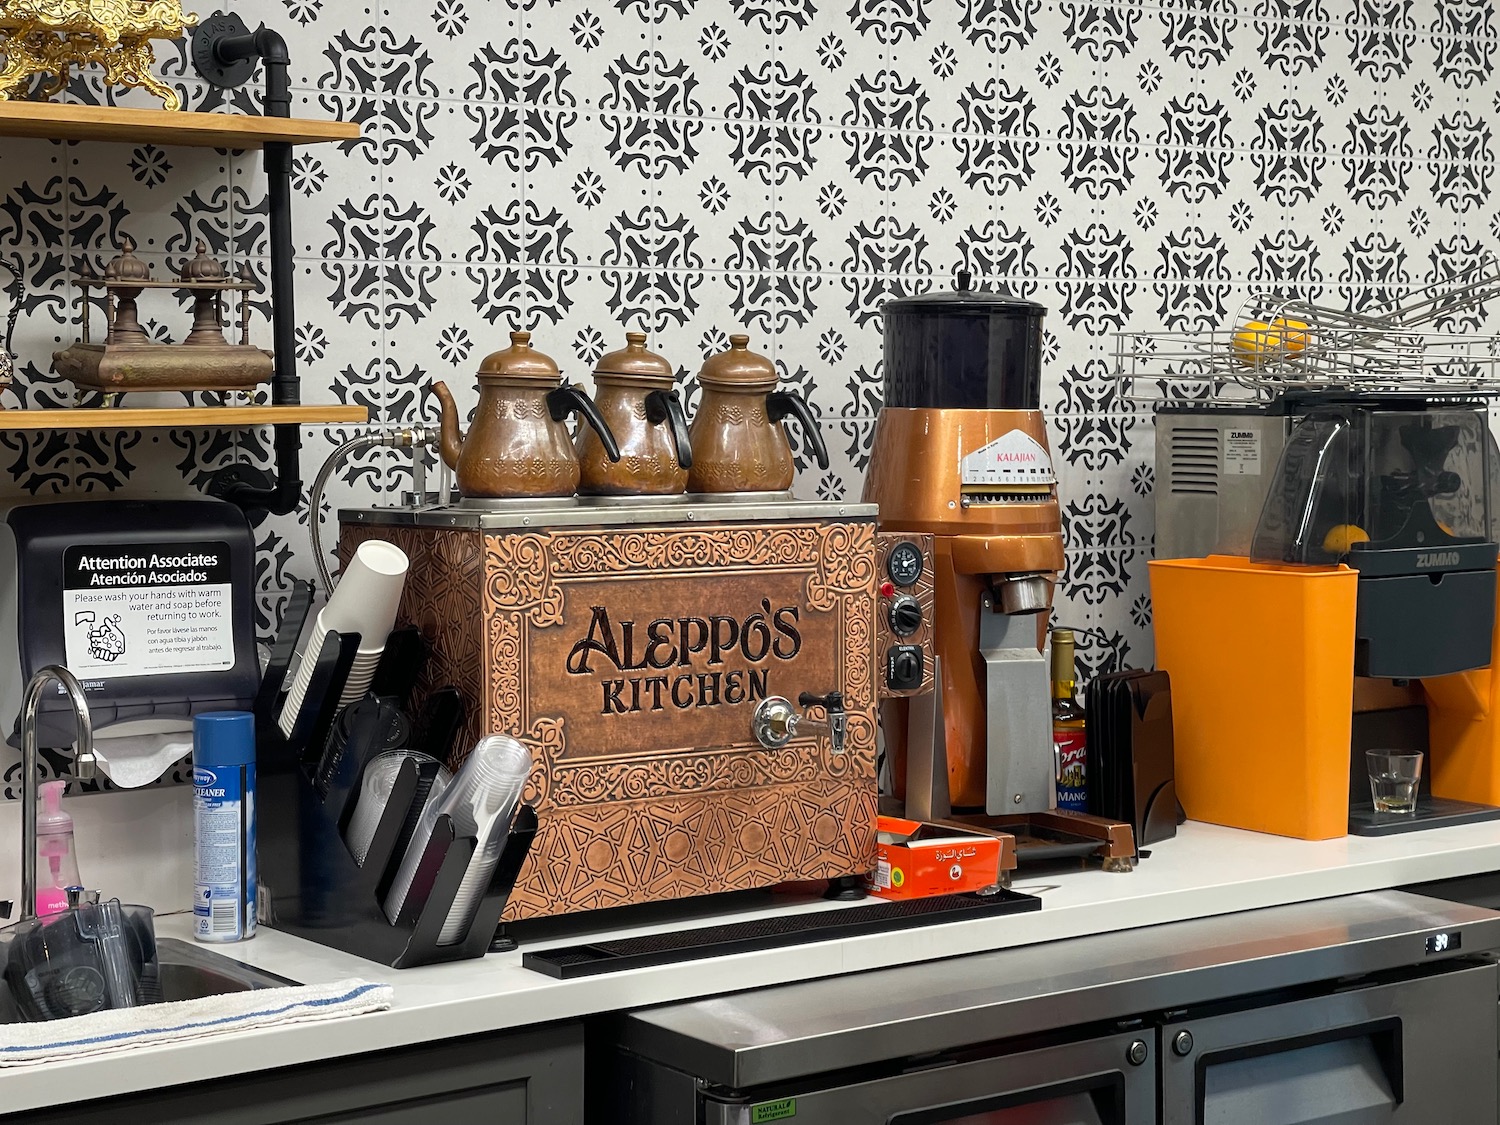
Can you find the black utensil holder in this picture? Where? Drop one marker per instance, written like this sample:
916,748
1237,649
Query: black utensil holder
316,889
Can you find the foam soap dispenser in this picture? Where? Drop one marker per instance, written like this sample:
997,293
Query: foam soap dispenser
56,854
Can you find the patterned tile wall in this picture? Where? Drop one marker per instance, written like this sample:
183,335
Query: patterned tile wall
699,166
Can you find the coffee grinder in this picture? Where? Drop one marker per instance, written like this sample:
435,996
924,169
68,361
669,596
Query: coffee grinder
960,454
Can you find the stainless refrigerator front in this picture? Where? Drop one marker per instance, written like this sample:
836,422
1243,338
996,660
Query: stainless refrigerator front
1367,1009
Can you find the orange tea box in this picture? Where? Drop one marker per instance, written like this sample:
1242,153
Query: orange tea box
916,859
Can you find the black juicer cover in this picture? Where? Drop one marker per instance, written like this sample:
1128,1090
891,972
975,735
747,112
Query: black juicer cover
972,349
1401,492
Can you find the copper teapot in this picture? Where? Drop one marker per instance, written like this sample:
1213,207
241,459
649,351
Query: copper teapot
636,399
738,441
518,444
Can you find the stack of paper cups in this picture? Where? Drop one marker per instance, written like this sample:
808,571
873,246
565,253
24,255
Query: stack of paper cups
364,602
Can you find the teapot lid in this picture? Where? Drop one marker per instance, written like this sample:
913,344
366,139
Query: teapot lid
634,361
520,361
738,368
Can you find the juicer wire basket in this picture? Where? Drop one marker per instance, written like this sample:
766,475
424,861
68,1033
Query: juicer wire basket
1275,344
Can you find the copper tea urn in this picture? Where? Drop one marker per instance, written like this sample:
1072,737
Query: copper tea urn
519,443
738,441
636,399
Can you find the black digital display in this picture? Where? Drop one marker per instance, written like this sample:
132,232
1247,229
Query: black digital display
1445,943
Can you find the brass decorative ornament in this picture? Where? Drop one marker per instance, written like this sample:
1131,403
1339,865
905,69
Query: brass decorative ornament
132,359
53,36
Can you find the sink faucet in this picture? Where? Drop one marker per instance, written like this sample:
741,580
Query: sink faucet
83,766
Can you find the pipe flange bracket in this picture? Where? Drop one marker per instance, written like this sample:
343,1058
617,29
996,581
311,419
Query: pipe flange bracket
206,60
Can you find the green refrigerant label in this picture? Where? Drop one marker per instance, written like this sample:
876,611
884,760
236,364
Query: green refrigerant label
773,1111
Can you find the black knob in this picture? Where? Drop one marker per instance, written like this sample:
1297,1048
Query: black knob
903,668
905,615
1137,1053
1182,1043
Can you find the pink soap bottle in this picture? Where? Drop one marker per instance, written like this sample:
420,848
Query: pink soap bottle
56,855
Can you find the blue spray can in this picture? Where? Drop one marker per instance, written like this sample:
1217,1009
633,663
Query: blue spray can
224,817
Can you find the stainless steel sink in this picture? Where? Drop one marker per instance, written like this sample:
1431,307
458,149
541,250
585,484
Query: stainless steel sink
190,972
185,971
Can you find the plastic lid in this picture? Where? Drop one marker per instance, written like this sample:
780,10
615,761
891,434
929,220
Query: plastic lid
738,367
965,300
520,361
635,362
50,818
224,738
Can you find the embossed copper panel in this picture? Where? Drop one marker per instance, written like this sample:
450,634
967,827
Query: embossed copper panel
647,783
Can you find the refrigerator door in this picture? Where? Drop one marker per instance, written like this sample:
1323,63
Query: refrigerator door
1106,1081
1418,1050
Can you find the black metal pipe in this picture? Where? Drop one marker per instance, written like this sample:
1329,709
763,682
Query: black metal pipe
286,493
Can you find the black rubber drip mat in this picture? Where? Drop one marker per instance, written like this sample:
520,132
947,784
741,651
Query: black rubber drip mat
618,954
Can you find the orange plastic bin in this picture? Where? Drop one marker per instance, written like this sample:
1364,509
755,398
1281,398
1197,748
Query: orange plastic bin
1262,664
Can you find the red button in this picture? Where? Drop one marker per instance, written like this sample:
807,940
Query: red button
887,589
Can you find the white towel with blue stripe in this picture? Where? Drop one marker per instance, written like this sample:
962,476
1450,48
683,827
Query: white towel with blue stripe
181,1020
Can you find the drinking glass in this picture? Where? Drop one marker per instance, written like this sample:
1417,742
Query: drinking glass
1393,780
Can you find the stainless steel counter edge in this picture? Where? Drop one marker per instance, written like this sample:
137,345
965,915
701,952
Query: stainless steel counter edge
542,514
782,1033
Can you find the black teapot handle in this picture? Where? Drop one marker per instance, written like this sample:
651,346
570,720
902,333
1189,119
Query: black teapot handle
781,403
567,399
666,406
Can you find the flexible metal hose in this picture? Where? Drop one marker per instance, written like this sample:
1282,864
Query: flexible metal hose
391,439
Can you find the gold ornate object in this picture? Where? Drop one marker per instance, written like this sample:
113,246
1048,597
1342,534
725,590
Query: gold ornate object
53,36
130,360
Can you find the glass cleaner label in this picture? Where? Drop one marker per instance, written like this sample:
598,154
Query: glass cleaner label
140,610
225,864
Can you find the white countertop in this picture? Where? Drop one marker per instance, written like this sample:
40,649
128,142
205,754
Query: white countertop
1206,870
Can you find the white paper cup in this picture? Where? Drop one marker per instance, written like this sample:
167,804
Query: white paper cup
361,671
368,593
361,676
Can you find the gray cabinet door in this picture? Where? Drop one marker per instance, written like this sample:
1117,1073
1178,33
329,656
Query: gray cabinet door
530,1077
1420,1051
1105,1081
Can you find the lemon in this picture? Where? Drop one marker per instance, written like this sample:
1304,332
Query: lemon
1254,342
1342,536
1291,334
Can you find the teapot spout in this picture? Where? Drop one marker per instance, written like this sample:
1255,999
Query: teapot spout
453,440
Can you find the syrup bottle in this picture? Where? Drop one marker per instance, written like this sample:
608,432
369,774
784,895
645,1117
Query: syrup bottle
1069,739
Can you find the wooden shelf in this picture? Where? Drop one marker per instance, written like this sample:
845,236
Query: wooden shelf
52,121
178,417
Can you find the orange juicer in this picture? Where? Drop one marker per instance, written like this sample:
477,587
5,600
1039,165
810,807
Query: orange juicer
1361,618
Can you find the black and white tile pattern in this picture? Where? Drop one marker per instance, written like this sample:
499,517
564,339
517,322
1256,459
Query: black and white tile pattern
784,166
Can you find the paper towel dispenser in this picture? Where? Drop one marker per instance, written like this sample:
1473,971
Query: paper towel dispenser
147,602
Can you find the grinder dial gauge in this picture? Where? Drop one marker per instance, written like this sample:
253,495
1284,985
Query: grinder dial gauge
904,564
